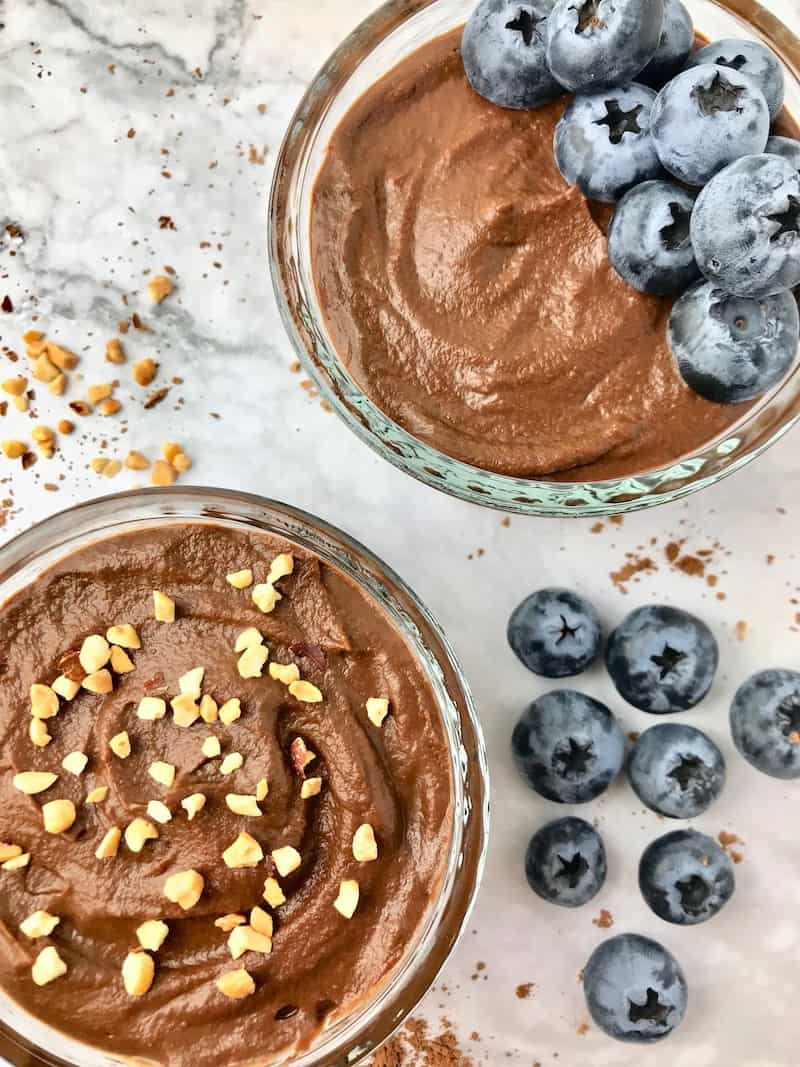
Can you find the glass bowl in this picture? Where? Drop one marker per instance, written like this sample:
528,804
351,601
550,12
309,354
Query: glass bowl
27,1041
375,47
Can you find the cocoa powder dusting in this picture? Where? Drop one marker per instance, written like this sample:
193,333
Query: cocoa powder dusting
415,1046
635,566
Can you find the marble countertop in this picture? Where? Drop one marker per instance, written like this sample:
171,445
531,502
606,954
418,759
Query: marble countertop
140,135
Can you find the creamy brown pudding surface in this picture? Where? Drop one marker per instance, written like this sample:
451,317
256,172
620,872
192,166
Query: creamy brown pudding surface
468,291
305,960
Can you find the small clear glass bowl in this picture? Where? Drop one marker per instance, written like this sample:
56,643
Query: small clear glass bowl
26,1041
388,36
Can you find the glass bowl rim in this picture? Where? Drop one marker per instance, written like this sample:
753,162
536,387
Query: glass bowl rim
393,443
358,1034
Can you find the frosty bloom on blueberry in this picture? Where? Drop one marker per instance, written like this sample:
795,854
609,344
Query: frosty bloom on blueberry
555,633
765,722
676,770
674,46
566,862
730,349
568,747
635,989
686,878
746,227
649,243
705,118
504,53
603,144
597,44
751,58
787,148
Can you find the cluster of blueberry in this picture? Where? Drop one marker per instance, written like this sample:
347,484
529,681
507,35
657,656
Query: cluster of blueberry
569,748
650,113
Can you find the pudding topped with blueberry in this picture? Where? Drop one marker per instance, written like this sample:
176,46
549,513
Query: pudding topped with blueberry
559,243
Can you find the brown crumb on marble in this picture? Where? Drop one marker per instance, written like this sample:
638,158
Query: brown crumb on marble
630,571
740,630
525,991
604,920
254,156
598,528
728,840
506,521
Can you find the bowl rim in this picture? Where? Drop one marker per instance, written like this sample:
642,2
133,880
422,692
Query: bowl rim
427,464
373,1021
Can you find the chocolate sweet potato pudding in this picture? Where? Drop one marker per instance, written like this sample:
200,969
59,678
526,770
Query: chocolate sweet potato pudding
225,796
468,291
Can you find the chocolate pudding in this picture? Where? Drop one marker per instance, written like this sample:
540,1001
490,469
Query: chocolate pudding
276,747
467,289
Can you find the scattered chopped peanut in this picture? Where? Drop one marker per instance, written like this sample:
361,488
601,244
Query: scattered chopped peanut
245,939
184,888
306,692
94,653
99,464
311,787
159,811
347,900
58,816
33,782
109,846
162,473
249,638
244,852
169,450
251,662
44,370
209,711
273,894
75,763
262,789
265,597
13,449
163,773
9,852
151,709
243,805
120,661
114,353
110,407
44,701
62,357
159,288
284,672
112,469
123,635
58,386
39,924
286,860
365,847
185,710
138,833
18,862
15,386
229,922
232,762
96,393
164,607
211,747
66,426
280,567
240,579
38,733
230,711
377,710
182,463
236,984
135,461
48,966
261,921
21,402
144,370
97,795
66,687
191,683
100,682
152,934
120,745
193,804
138,971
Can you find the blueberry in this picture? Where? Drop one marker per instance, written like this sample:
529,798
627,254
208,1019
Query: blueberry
649,243
746,227
662,659
566,862
685,877
676,770
732,348
603,143
504,53
787,147
598,44
635,989
568,747
555,633
704,119
765,722
751,58
674,46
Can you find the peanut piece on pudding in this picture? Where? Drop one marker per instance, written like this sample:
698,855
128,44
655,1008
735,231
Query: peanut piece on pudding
245,939
94,654
243,805
159,811
184,888
252,660
152,934
193,804
123,635
311,787
300,756
249,638
281,567
305,692
120,661
66,687
211,747
286,860
284,672
347,900
163,606
151,709
138,833
191,683
58,815
120,745
38,733
75,763
229,922
236,984
240,579
109,846
48,966
99,683
230,711
273,894
33,782
98,795
261,921
377,710
138,972
209,712
232,762
265,597
18,862
262,789
185,710
365,847
244,852
39,924
44,701
163,773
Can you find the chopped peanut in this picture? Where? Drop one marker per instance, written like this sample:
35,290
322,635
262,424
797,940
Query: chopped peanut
114,353
230,711
109,846
261,921
273,894
62,357
211,747
97,795
262,789
39,924
193,804
144,370
232,762
249,638
94,653
48,966
75,763
21,402
18,862
280,567
135,461
138,833
244,852
112,468
240,579
236,984
110,407
365,847
159,288
245,939
286,860
169,450
44,701
251,662
100,682
377,710
33,782
301,755
152,934
164,607
58,387
15,386
184,888
13,449
120,661
66,687
182,463
243,805
163,773
265,597
347,900
159,811
229,922
44,370
311,787
123,635
66,426
58,816
96,393
191,683
208,709
9,852
284,672
38,733
120,745
162,473
306,692
185,710
151,709
138,971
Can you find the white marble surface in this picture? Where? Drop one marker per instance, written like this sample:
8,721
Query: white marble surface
88,198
